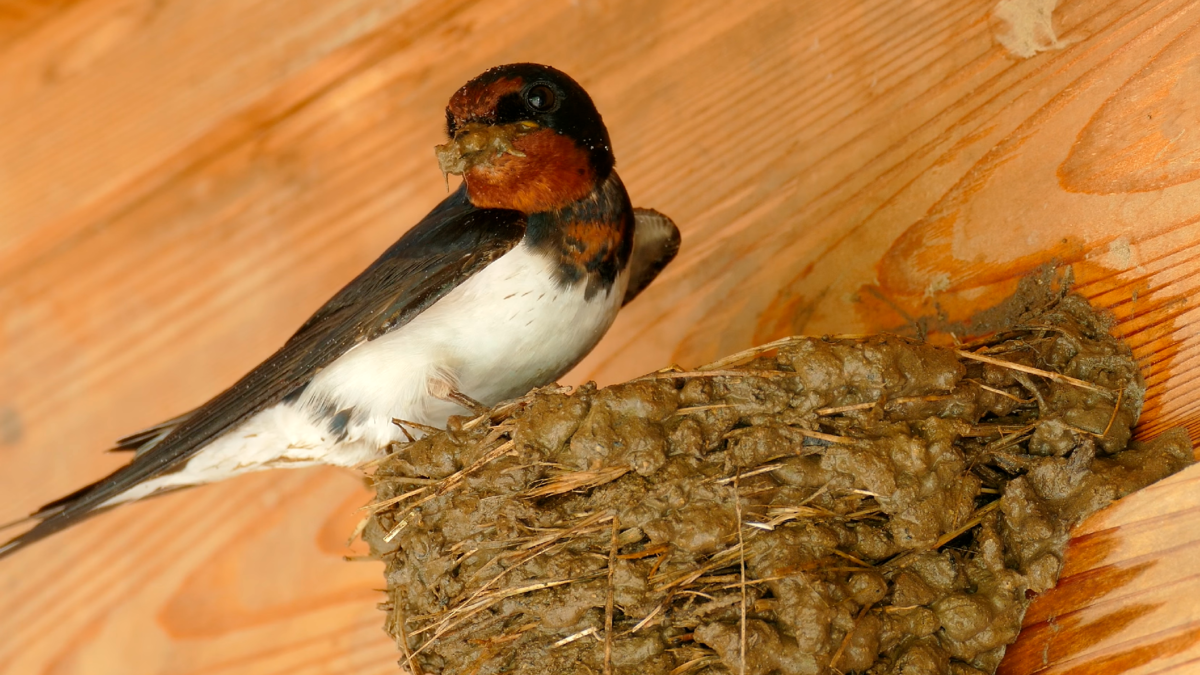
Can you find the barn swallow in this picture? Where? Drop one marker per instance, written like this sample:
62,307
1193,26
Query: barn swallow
503,287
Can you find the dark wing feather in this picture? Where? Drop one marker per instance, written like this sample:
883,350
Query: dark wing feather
144,440
655,243
453,242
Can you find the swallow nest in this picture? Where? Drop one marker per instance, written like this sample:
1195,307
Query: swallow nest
866,504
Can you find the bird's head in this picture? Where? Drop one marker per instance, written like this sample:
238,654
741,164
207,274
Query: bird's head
525,137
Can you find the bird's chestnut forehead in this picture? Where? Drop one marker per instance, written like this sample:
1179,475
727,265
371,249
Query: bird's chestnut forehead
479,98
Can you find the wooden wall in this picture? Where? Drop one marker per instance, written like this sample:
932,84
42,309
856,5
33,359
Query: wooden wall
182,183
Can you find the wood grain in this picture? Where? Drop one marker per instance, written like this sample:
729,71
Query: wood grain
181,184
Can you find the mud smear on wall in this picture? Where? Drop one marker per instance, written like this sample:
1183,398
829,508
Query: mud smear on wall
850,504
1026,27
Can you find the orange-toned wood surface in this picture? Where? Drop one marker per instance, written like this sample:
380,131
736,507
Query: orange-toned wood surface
182,183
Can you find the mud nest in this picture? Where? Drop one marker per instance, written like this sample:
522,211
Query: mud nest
865,504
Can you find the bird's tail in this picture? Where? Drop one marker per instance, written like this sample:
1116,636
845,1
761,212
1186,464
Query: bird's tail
38,532
53,517
76,507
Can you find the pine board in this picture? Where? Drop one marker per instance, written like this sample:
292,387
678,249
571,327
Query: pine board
181,184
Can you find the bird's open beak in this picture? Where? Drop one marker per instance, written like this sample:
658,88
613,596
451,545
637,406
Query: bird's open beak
475,144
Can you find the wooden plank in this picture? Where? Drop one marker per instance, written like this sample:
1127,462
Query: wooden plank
182,183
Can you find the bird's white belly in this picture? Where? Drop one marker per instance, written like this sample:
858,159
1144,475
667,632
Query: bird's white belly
509,328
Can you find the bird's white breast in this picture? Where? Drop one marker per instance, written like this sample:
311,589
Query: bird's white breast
511,327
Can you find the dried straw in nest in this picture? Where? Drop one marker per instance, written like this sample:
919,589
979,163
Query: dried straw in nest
845,504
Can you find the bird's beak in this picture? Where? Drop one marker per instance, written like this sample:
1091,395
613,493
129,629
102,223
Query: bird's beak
475,144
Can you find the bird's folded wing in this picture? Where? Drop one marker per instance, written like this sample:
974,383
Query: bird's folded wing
655,243
451,244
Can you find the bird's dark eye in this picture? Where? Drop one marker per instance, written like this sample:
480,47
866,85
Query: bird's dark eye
541,98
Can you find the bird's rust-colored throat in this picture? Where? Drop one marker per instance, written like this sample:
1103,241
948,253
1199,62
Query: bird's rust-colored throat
520,166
